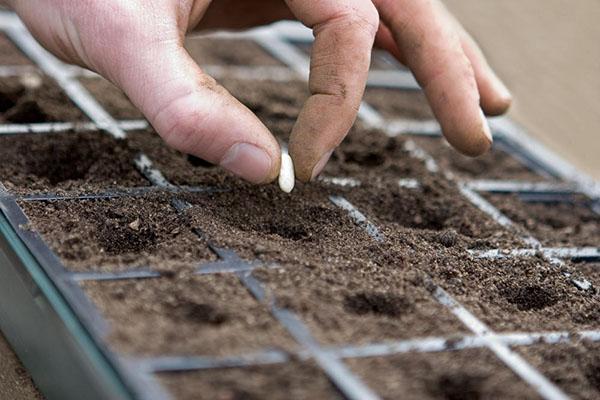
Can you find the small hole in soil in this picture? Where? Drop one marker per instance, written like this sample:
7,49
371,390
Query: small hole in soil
377,303
292,232
119,237
365,158
530,297
200,313
198,162
459,387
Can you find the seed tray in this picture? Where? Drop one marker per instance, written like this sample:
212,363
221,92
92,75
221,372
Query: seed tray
381,295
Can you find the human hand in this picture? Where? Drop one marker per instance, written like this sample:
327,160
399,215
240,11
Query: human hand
138,45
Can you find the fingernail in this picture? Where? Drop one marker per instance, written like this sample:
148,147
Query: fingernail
321,164
247,161
486,126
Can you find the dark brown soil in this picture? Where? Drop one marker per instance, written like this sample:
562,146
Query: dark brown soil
496,164
15,382
435,207
591,271
83,161
467,375
575,368
277,104
226,52
553,224
109,235
515,294
111,98
184,315
9,54
292,381
369,155
46,103
394,103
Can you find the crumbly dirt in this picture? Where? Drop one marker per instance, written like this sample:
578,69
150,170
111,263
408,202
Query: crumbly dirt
10,55
553,224
111,98
526,294
198,315
436,207
574,367
496,164
467,375
589,270
83,161
118,234
394,103
21,104
290,381
15,382
209,51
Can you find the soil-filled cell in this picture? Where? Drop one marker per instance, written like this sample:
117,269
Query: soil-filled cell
368,298
395,103
555,224
118,234
82,161
178,168
265,223
437,207
590,271
10,55
465,374
186,315
277,104
370,155
290,381
496,164
111,98
573,367
211,51
528,294
35,100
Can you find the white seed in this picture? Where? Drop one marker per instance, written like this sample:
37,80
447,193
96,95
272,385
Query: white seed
286,174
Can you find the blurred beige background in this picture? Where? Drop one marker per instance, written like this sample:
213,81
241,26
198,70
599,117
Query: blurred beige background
548,53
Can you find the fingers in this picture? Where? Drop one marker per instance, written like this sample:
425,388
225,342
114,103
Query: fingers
344,34
195,115
432,49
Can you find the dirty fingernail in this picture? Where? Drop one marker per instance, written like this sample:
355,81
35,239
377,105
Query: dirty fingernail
247,161
321,164
486,126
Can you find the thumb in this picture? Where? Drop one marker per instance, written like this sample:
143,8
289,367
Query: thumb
195,115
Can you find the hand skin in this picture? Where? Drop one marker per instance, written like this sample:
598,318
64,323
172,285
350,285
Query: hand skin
138,45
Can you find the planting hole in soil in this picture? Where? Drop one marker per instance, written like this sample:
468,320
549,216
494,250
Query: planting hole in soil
294,380
572,223
89,161
201,315
467,374
110,235
23,102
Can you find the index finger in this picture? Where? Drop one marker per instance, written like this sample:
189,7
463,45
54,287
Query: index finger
344,33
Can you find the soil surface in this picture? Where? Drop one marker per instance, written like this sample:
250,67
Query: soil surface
15,382
496,164
117,234
201,315
575,368
210,51
111,98
435,207
25,103
394,103
468,374
553,224
291,381
9,54
83,161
